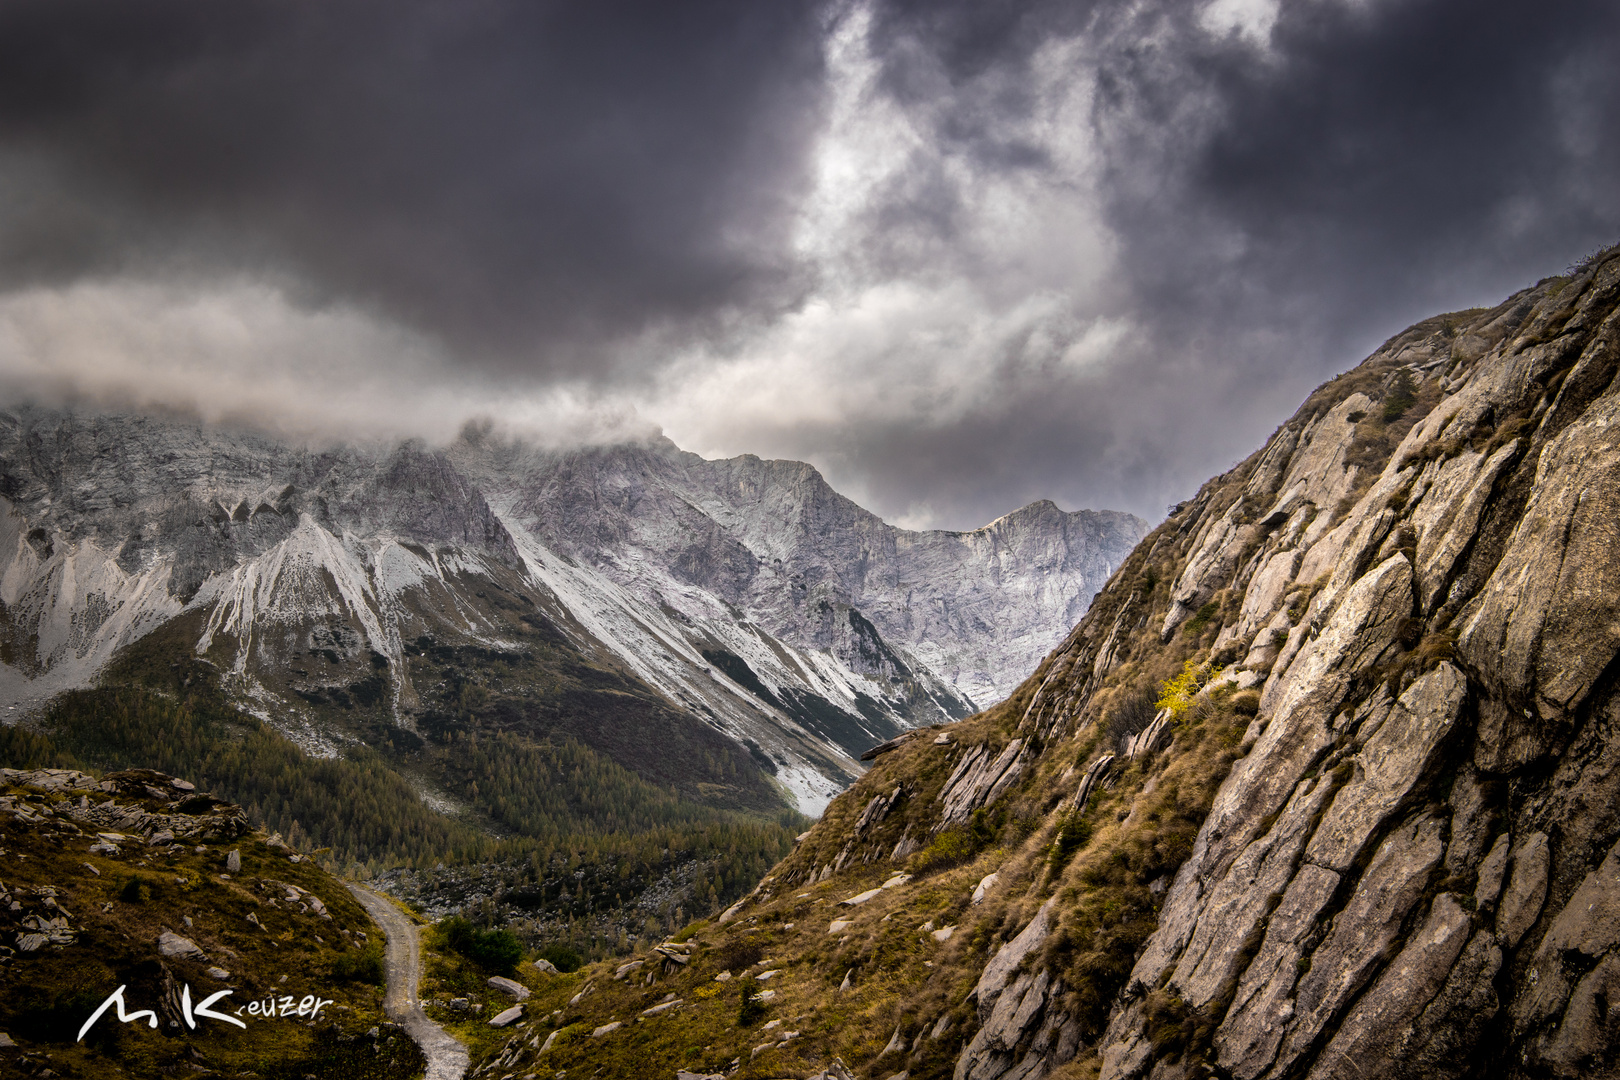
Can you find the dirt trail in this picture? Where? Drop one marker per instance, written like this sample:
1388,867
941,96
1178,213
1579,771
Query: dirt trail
446,1057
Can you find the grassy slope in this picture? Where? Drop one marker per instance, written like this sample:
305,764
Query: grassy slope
119,908
901,977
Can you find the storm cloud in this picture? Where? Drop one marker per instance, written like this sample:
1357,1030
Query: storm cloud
961,256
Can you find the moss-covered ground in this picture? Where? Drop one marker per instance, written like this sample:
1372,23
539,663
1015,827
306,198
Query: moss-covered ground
256,940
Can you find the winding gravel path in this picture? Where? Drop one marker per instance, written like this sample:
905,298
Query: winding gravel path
446,1057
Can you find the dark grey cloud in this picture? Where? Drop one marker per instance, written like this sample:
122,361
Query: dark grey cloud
1279,208
1385,159
962,255
524,179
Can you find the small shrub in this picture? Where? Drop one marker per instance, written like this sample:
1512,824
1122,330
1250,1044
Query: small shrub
749,1010
1130,717
952,847
1246,702
136,891
1302,599
1402,396
497,950
1427,654
1166,1014
562,958
738,955
1073,833
362,965
688,930
1505,433
494,950
1437,450
959,843
456,934
573,1033
1195,625
1177,693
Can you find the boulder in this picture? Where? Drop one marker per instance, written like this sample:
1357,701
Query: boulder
662,1006
986,883
174,947
511,988
501,1019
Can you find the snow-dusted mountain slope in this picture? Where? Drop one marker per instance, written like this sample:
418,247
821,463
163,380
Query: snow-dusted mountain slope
742,608
974,610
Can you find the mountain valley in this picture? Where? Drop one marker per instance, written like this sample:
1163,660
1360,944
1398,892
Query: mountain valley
1324,782
601,686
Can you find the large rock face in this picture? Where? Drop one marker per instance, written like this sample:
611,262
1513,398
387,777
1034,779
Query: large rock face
344,587
1378,831
1387,944
1491,525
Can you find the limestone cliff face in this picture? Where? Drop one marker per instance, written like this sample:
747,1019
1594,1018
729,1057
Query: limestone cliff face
1383,837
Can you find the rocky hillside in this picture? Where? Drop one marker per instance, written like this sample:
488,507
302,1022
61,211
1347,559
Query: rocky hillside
1325,784
758,629
139,881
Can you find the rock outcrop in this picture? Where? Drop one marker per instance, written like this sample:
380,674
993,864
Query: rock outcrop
1445,676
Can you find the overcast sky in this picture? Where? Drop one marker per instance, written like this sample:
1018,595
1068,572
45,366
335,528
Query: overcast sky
959,255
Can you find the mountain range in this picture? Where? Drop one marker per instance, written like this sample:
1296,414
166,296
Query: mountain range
654,604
